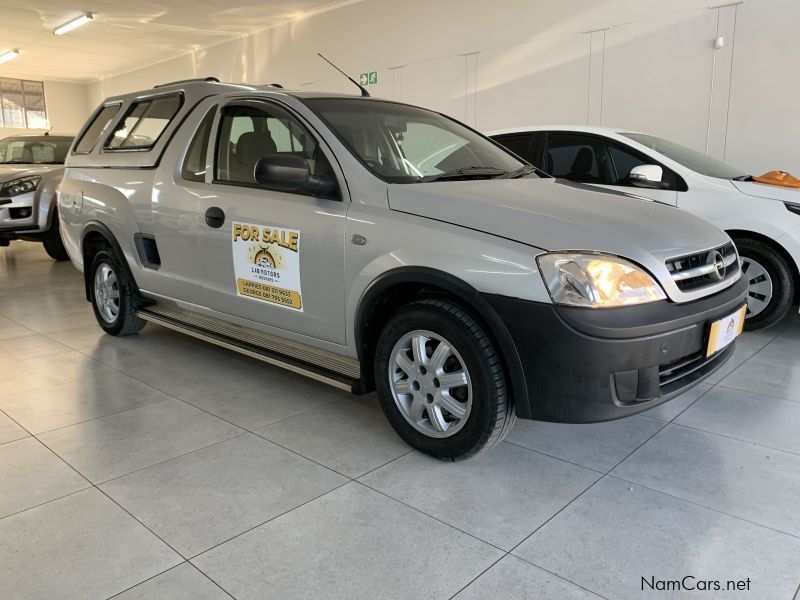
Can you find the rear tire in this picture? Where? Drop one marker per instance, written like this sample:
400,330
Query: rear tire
771,283
455,373
112,296
53,244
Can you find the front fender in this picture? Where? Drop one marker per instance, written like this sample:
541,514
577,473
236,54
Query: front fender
468,297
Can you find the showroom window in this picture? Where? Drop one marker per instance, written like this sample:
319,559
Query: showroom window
145,122
23,104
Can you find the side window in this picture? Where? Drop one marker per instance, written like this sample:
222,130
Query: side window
247,134
97,128
574,157
145,122
194,165
518,143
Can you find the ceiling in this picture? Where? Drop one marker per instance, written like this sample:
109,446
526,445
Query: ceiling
127,34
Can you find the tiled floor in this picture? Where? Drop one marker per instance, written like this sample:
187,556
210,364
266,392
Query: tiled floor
157,467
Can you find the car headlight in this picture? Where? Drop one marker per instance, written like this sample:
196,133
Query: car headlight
20,186
596,280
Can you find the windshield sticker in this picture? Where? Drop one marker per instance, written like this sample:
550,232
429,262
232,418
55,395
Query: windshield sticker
266,263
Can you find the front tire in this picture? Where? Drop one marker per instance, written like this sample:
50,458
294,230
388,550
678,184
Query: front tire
771,283
52,242
441,381
112,296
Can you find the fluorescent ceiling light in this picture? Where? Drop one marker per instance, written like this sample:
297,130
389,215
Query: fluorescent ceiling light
10,55
73,24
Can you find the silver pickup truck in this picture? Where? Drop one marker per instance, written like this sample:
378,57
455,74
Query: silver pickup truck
374,245
31,168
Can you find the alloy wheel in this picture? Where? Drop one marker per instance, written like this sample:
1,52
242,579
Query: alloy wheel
106,293
430,383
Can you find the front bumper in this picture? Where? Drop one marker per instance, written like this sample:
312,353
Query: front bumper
24,213
585,365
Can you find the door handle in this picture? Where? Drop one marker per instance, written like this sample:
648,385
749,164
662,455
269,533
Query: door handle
215,217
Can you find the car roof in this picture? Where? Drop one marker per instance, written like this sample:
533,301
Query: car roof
42,137
199,88
579,128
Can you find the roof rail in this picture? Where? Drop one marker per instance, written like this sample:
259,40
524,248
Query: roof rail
198,79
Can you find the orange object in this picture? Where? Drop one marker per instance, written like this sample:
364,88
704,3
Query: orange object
781,178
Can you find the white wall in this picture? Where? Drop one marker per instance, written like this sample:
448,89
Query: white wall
641,64
68,107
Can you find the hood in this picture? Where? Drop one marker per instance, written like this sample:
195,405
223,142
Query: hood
556,215
9,172
765,190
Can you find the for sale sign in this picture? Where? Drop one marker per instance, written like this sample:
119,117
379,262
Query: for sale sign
266,263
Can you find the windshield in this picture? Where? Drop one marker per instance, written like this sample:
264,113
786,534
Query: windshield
691,159
42,150
405,144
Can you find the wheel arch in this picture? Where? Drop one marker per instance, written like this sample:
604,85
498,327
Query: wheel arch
773,243
96,236
398,287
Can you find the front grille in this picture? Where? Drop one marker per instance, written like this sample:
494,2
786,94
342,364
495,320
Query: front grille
686,370
695,271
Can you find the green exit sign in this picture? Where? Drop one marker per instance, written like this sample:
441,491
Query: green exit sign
370,78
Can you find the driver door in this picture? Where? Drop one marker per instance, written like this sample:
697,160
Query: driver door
273,258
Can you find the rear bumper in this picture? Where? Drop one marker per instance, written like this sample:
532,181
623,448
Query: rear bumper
584,365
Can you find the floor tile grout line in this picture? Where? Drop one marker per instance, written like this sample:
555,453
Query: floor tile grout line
166,460
72,493
248,530
97,418
732,437
705,506
558,512
422,512
530,562
216,583
387,463
569,462
759,394
695,401
127,589
478,576
185,562
563,508
271,423
756,353
172,396
94,486
24,437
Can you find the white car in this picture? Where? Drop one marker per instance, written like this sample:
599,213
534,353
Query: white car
762,219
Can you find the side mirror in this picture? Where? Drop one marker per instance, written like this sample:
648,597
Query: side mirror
646,176
292,173
283,172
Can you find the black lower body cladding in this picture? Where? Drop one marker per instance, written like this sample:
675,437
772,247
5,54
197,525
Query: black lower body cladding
586,365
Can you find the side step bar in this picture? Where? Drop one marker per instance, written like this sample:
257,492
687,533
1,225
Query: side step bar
263,347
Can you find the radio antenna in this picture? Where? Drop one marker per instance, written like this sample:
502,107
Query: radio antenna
364,92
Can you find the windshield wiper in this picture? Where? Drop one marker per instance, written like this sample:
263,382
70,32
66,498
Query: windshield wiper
466,173
742,178
525,170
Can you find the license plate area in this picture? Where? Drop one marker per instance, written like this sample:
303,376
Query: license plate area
725,330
